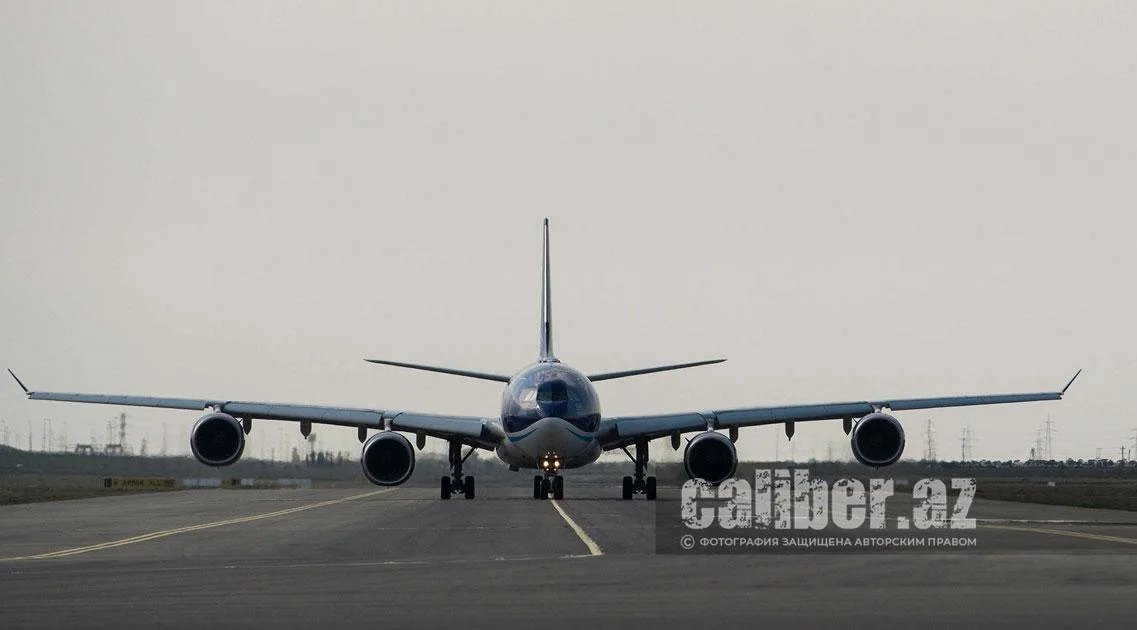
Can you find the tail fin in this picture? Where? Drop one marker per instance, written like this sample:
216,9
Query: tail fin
546,304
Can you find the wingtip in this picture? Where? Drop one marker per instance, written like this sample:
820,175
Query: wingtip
1071,381
18,381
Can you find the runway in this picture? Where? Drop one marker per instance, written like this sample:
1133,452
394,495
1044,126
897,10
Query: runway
402,558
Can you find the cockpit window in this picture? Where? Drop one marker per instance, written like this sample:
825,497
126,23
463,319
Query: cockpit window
552,392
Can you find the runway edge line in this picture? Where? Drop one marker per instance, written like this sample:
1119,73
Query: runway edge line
190,528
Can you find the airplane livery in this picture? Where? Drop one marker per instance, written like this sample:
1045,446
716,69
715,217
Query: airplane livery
550,421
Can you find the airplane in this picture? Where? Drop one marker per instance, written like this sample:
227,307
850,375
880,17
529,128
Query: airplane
550,421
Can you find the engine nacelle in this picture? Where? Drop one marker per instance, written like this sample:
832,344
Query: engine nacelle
711,457
878,440
217,439
388,459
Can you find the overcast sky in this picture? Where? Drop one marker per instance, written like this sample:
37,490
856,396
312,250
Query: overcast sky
846,200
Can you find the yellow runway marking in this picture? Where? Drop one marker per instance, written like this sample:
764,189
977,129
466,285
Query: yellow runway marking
63,553
1063,532
593,548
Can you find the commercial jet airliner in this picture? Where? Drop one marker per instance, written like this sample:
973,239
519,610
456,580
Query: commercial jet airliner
550,421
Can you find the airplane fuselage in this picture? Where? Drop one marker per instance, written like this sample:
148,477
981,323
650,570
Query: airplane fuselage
550,414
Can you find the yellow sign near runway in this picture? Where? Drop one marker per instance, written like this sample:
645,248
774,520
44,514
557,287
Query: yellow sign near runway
140,483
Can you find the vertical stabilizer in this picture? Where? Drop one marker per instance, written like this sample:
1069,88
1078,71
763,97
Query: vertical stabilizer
546,304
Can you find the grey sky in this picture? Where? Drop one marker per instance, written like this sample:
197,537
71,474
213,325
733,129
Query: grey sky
845,199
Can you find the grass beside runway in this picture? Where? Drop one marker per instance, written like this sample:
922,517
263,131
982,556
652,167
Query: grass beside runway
1114,494
27,477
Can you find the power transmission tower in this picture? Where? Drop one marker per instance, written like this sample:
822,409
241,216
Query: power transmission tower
965,443
122,431
1134,449
1049,436
930,437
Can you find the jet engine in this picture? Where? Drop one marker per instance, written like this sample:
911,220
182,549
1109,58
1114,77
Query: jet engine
878,440
217,439
388,459
710,456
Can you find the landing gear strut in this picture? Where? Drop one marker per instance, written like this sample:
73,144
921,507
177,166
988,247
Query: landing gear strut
639,484
455,482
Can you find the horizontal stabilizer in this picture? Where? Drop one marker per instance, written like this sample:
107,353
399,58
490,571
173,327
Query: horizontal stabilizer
662,368
430,368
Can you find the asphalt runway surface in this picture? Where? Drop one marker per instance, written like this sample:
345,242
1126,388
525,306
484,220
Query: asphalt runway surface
402,558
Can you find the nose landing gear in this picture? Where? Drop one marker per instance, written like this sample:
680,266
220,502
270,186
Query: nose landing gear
546,485
639,484
551,482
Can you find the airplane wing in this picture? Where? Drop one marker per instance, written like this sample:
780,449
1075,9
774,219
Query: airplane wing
623,431
480,432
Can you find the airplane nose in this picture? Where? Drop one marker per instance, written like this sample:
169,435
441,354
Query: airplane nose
546,437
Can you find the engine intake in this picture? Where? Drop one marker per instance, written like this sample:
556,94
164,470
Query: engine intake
710,456
217,439
878,440
388,459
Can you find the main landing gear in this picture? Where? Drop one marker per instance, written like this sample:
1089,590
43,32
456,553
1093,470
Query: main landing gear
455,483
639,484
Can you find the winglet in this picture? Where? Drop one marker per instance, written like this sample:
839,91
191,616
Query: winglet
21,383
1072,378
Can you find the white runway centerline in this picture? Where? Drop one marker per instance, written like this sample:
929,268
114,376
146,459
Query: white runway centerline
593,548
